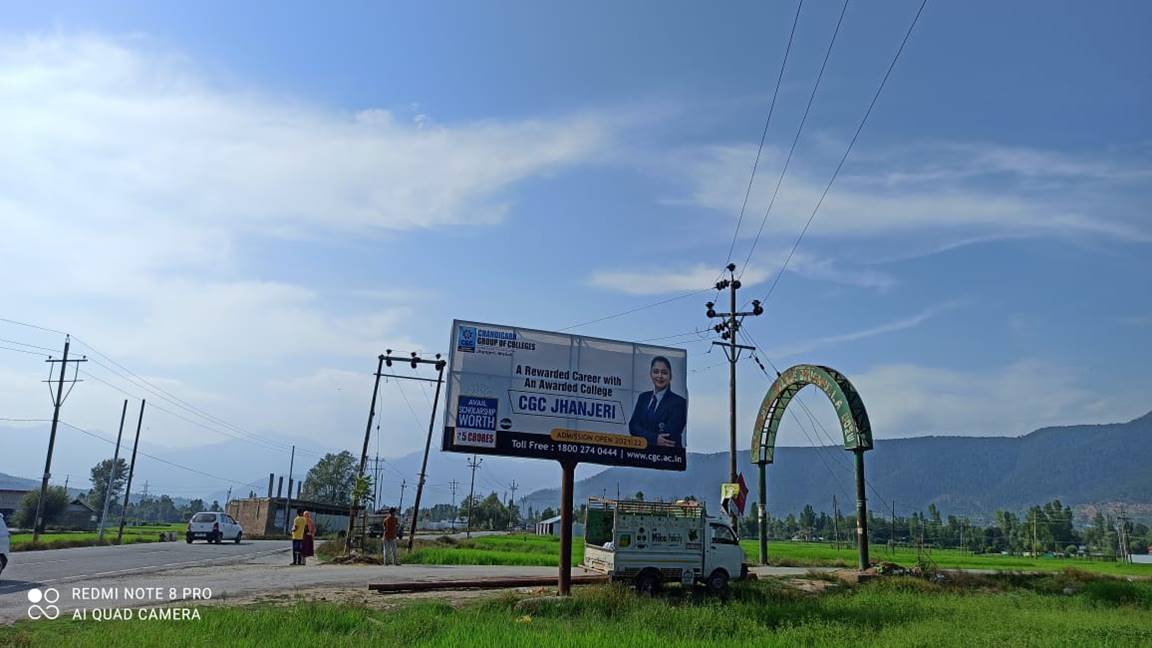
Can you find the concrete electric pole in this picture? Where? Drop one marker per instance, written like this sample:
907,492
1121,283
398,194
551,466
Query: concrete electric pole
728,328
57,401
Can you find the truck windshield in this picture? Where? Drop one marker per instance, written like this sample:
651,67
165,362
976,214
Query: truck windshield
722,535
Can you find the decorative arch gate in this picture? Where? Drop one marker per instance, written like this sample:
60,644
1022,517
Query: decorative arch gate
853,423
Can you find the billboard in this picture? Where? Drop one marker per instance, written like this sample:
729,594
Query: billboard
525,393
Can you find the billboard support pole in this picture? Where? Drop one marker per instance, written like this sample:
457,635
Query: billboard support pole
427,444
564,587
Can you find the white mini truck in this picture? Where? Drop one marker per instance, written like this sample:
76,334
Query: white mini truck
648,544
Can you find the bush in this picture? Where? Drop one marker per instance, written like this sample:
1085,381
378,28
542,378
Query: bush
55,504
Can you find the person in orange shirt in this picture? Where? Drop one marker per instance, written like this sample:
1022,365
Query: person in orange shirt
299,526
391,524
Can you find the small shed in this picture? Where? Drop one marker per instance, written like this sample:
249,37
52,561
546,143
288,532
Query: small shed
79,516
551,527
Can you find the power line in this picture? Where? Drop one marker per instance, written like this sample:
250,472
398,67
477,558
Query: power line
848,150
155,458
35,353
764,133
33,346
634,310
796,139
184,418
42,328
141,383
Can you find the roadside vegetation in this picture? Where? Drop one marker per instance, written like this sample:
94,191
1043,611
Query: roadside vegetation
522,549
816,554
1062,609
65,539
482,550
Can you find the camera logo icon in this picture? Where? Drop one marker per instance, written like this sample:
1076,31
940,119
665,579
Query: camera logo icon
49,597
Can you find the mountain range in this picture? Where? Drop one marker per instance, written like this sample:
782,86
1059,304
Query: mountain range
1084,466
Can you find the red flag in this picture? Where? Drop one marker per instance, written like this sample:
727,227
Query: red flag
743,496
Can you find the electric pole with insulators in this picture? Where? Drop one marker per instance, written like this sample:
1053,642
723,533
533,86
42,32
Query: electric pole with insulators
57,401
728,328
473,463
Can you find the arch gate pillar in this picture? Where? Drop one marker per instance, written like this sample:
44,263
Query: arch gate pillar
854,424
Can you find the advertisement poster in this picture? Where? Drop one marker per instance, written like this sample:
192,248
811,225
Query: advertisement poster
526,393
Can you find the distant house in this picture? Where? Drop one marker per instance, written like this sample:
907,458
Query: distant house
10,501
551,527
79,516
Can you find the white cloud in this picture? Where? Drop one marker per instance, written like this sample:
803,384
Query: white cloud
128,180
930,198
655,281
94,129
890,327
912,400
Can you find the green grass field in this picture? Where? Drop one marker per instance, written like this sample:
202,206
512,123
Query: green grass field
543,550
494,550
63,539
1057,610
810,554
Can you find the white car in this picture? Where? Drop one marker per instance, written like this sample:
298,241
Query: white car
5,544
213,527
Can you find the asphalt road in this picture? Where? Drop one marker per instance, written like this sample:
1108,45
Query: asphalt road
28,569
153,575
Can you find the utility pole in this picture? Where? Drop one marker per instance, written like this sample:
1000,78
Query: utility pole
363,453
728,330
66,479
835,523
453,485
512,487
131,471
376,475
473,463
415,361
288,502
112,473
1122,537
144,491
57,401
227,498
892,540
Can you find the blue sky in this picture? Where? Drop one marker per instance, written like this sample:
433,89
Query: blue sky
254,201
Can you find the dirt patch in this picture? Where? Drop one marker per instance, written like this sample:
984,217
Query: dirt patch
363,597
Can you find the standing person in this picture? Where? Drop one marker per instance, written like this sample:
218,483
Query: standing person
299,526
391,557
660,415
307,546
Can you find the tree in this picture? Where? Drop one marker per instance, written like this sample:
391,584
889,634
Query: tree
331,479
55,503
807,521
639,495
99,476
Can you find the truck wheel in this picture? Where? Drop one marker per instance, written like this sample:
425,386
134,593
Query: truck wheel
648,582
188,538
717,581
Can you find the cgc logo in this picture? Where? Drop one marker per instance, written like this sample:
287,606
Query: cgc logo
466,341
48,611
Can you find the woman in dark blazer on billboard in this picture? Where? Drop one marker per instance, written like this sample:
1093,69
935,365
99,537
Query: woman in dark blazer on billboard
660,415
